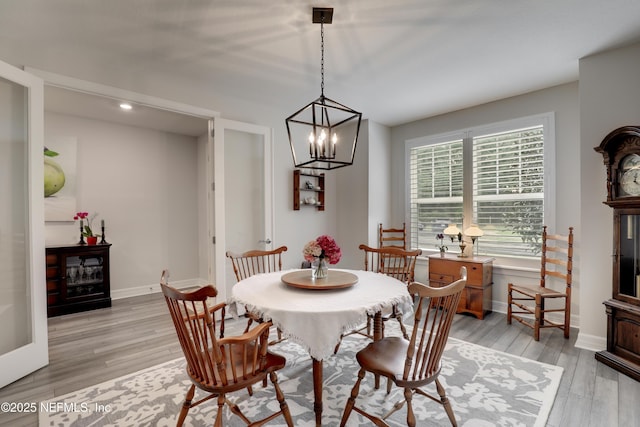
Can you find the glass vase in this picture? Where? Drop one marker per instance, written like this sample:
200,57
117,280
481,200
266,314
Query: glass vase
319,268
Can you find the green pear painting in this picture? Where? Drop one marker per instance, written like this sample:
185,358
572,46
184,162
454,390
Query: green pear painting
54,177
60,178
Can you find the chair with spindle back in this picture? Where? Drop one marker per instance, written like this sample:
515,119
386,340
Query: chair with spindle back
254,262
221,366
391,261
413,363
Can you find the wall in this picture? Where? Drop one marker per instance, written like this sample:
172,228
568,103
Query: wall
609,99
352,195
144,184
563,100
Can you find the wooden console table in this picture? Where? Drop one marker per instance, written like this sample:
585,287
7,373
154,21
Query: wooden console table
476,298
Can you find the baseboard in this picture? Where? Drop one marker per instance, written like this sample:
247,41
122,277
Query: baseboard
591,342
155,288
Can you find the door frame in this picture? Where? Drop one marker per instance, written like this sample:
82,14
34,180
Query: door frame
217,199
34,355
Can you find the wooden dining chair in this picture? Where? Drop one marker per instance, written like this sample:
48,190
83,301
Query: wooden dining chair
414,363
556,262
395,262
221,366
254,262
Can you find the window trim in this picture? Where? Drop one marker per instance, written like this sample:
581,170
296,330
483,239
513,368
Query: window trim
547,120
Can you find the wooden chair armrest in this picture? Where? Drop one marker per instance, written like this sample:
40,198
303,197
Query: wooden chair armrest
249,336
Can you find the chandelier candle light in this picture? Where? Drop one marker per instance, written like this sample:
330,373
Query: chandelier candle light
328,128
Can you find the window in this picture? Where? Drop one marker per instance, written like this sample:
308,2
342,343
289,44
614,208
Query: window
498,176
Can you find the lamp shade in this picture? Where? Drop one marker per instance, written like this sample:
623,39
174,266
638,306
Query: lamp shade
474,231
452,230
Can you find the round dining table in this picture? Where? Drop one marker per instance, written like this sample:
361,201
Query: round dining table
316,313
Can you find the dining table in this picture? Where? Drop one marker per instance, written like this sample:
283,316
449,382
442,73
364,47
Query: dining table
316,313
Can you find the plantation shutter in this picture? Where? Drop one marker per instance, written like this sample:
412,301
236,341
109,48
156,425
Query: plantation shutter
435,176
508,190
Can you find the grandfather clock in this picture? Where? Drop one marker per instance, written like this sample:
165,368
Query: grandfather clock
621,152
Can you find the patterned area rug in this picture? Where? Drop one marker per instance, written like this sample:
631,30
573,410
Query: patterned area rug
486,388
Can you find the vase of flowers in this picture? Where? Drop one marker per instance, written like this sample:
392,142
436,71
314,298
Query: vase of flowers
320,252
85,229
441,245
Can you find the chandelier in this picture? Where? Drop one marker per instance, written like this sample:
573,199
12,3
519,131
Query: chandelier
325,128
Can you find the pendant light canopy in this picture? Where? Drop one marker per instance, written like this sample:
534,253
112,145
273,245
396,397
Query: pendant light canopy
324,128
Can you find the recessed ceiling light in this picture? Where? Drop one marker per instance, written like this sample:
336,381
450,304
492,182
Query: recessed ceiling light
125,106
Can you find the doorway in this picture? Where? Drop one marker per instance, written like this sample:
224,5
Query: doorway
244,201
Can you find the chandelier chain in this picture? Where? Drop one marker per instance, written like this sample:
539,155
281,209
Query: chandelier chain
322,56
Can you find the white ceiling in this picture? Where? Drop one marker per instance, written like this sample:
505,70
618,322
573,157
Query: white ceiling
396,61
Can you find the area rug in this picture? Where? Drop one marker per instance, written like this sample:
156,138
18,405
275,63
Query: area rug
486,388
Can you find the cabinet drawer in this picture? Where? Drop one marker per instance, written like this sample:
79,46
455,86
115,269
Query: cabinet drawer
53,286
52,273
439,280
51,259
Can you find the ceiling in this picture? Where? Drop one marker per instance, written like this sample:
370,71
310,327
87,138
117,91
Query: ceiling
396,61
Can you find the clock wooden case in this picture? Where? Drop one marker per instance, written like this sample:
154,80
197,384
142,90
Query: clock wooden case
621,152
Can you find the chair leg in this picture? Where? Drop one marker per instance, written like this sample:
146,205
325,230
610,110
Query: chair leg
539,317
567,317
398,317
186,405
352,399
249,322
509,302
221,400
335,350
280,396
446,403
411,418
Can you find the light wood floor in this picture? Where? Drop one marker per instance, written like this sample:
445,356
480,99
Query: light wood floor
92,347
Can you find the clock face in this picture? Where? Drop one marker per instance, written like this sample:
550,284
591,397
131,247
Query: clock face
629,176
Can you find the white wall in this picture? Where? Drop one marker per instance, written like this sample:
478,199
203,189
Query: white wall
609,99
144,184
563,100
352,197
379,210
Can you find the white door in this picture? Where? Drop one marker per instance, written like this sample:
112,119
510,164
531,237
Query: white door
243,176
23,305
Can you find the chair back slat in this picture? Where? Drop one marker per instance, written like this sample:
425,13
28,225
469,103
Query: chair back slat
557,257
254,262
395,262
392,237
432,321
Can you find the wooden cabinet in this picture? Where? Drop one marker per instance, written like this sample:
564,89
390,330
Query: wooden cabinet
476,297
308,190
77,278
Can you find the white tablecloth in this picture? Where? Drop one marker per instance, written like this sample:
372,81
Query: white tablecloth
316,319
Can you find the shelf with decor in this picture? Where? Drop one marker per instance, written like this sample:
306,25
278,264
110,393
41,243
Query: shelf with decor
308,189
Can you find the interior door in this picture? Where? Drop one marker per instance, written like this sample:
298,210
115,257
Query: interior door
23,309
243,176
